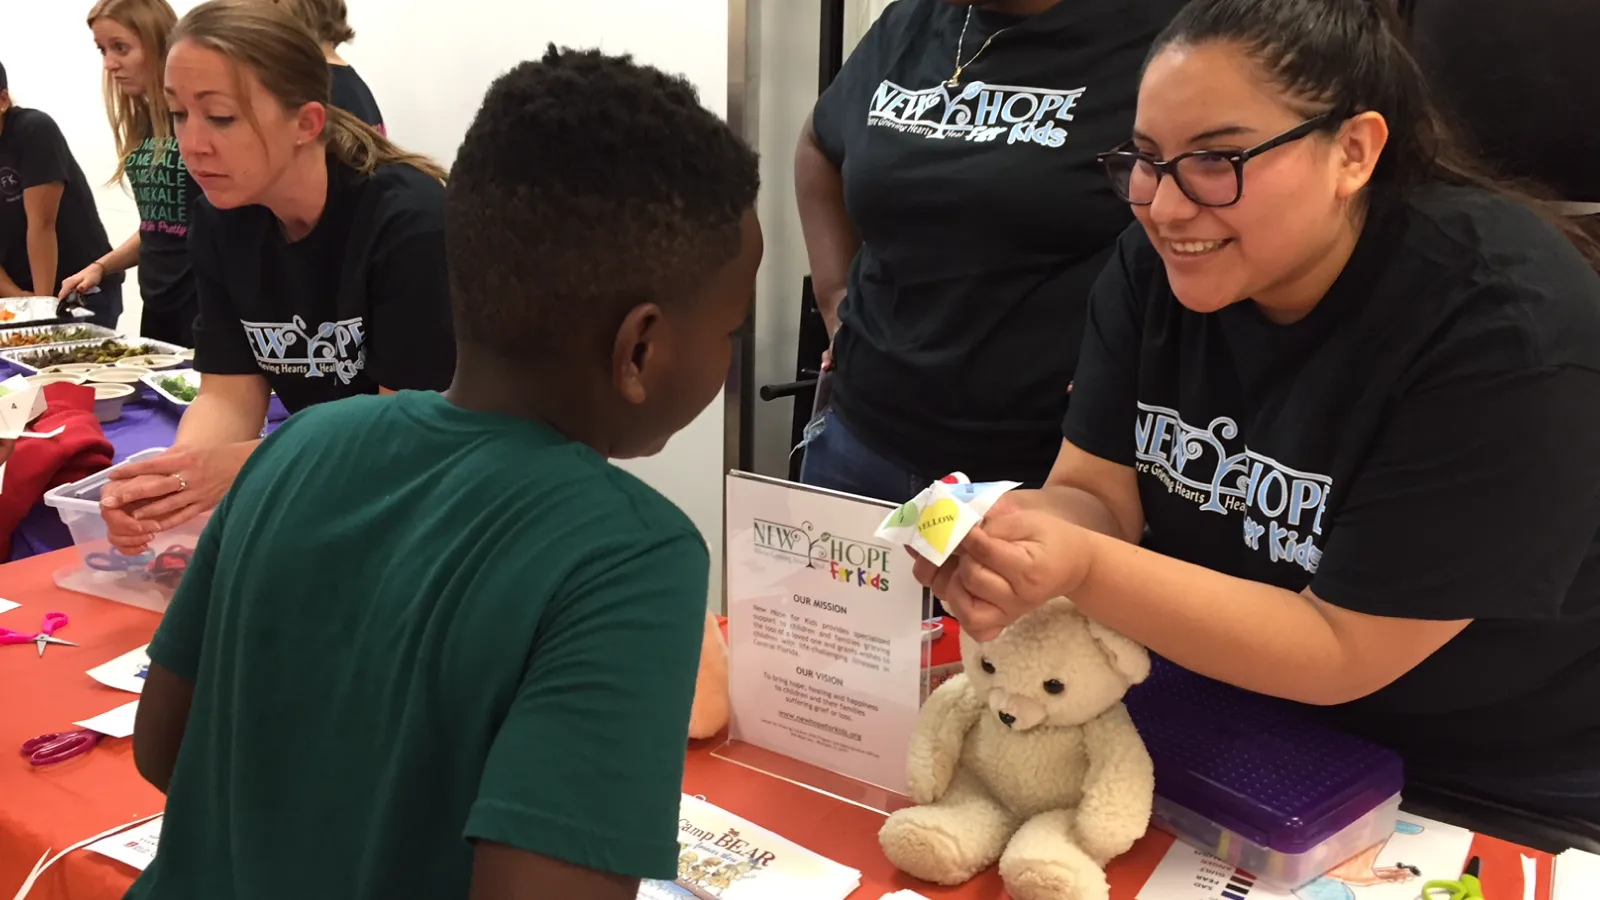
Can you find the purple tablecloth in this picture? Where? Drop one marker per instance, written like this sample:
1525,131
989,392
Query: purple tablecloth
147,421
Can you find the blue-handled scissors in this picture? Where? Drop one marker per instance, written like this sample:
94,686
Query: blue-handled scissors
117,562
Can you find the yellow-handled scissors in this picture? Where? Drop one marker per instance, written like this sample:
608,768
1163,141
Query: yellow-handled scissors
1467,887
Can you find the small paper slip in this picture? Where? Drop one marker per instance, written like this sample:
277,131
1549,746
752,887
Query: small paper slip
117,723
724,857
1418,851
135,847
126,672
1577,876
934,522
903,895
7,606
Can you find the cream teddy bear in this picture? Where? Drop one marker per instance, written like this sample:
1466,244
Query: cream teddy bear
1029,758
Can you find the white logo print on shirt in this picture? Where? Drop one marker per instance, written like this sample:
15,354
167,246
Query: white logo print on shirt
1195,464
334,348
976,112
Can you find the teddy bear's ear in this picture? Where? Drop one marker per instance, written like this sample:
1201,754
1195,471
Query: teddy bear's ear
1127,657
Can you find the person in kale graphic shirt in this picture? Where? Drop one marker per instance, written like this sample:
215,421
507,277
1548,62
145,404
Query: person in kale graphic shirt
1343,389
955,218
49,225
132,37
318,253
329,22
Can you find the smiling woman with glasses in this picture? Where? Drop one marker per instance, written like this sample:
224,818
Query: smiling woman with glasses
1335,434
1208,177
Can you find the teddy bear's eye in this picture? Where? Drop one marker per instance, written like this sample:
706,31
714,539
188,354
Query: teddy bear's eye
987,666
1054,687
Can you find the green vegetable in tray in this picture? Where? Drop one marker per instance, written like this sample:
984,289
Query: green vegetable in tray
103,352
179,387
59,335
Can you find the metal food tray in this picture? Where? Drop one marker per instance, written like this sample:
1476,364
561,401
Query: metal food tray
14,356
100,332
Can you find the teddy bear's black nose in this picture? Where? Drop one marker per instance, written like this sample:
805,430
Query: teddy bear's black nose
1008,719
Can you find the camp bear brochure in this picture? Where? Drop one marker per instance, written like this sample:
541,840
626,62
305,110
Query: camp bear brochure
724,857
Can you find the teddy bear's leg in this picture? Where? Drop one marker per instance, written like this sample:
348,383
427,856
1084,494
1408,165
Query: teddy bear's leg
1041,862
949,841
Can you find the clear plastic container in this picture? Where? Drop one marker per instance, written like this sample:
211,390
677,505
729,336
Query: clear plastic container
1272,867
1258,781
147,581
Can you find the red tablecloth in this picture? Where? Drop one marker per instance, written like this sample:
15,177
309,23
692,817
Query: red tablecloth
55,807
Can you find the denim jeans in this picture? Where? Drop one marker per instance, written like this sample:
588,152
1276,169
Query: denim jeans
835,459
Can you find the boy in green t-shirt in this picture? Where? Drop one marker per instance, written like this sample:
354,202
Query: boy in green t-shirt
436,645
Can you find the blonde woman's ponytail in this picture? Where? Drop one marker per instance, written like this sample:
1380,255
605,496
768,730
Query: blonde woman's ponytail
359,146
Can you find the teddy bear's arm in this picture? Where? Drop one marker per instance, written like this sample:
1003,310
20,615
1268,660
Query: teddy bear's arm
1119,789
942,726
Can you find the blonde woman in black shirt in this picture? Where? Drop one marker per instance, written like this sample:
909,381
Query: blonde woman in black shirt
318,252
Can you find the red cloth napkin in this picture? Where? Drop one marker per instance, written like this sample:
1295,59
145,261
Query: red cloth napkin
39,464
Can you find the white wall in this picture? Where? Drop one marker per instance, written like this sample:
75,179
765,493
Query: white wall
787,82
428,65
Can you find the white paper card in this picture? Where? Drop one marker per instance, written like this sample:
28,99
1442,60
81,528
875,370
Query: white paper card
724,857
937,520
903,895
7,606
126,672
135,847
825,631
1577,876
1419,850
21,402
117,723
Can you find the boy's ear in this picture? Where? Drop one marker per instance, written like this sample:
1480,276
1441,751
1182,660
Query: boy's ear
635,351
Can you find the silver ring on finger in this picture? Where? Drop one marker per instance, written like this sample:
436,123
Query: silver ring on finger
183,483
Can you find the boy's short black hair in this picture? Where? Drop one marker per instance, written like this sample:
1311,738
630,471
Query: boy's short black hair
587,184
4,85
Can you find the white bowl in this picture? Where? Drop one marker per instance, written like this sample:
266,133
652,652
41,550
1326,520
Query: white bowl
152,362
108,400
118,375
44,378
72,369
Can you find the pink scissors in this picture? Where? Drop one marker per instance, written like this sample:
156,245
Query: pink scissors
53,622
49,749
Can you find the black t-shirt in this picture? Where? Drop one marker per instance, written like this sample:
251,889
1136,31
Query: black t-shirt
361,302
352,95
984,220
166,197
1521,79
1425,445
33,152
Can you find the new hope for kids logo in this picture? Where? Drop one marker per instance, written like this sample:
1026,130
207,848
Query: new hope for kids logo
1282,507
976,112
860,563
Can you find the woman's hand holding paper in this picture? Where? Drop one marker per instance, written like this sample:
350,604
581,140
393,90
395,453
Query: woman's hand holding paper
1019,557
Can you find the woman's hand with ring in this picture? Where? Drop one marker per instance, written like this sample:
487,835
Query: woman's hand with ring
156,494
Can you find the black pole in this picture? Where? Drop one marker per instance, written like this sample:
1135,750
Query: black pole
830,57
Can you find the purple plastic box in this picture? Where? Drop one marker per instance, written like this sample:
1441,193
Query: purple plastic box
1235,769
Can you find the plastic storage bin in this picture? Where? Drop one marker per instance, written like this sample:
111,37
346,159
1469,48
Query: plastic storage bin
146,582
1258,782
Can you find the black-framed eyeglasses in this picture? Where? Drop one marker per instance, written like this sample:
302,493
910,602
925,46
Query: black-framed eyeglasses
1208,177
